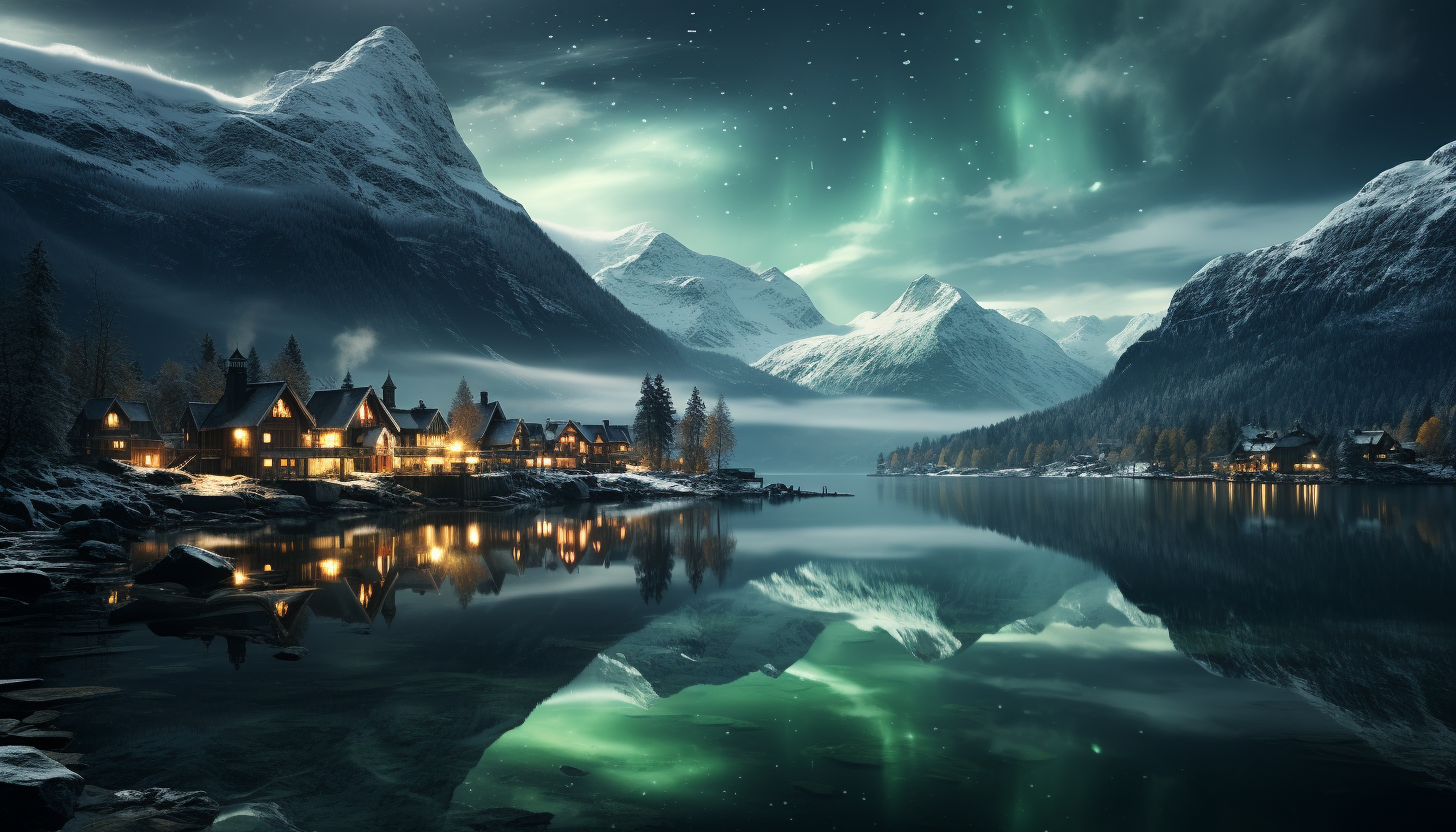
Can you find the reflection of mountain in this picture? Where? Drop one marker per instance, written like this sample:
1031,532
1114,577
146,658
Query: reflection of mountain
1339,594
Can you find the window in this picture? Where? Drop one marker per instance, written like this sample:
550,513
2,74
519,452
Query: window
364,414
118,444
112,420
280,410
267,463
330,439
267,439
240,437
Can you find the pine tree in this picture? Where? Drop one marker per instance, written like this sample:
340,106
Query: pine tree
207,354
652,429
348,381
720,439
167,395
255,366
465,417
34,382
691,433
289,366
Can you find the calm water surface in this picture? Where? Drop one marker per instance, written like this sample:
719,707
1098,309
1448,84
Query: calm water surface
931,654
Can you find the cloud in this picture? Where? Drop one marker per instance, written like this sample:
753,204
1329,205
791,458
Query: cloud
856,248
520,112
353,348
1183,234
1025,198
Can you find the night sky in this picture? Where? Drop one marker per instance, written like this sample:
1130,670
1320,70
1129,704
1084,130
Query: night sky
1082,155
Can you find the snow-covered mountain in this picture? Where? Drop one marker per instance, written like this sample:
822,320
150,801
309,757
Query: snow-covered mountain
934,342
1096,342
335,197
703,301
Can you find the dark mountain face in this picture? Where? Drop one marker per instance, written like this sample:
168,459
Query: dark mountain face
337,197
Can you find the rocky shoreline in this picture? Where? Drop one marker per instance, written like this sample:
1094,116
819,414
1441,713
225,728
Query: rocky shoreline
1428,474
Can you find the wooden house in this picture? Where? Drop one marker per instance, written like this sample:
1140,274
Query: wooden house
353,431
1377,446
1295,452
118,429
257,430
608,445
419,426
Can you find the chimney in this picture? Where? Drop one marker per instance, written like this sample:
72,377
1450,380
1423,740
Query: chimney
235,388
607,423
484,398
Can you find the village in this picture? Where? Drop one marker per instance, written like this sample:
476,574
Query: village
264,430
1257,452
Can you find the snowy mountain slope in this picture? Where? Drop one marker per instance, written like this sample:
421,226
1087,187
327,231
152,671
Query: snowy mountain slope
336,197
1096,342
936,343
703,301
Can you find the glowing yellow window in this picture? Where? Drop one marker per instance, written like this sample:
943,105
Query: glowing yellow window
267,438
112,420
280,410
267,463
240,437
118,444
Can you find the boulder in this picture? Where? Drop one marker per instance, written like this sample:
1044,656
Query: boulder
97,551
291,654
316,492
285,504
149,810
213,502
192,567
167,478
107,465
123,515
38,738
24,584
506,817
101,529
36,791
83,511
66,482
22,509
253,817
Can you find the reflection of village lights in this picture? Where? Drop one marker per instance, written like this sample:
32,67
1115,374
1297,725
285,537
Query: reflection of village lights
240,577
330,567
436,554
624,532
458,447
471,460
267,567
473,534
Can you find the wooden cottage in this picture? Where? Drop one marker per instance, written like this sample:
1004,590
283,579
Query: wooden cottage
354,431
1377,446
257,430
1295,452
419,426
607,445
118,429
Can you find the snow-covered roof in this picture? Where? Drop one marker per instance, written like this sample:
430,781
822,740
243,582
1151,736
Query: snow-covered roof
502,433
337,409
417,418
254,409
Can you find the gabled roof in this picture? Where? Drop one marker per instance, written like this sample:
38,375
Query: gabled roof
134,411
490,415
418,418
255,407
619,433
197,412
502,433
1368,437
337,409
593,433
535,432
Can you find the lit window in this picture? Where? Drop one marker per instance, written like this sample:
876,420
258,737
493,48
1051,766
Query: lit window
267,438
364,414
267,463
280,410
118,444
112,420
329,440
240,437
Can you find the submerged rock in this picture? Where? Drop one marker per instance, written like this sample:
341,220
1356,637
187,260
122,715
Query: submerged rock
291,654
36,791
573,771
98,552
505,817
31,696
152,810
253,817
101,529
190,566
24,584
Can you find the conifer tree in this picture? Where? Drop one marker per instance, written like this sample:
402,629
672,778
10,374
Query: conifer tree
33,381
465,417
691,433
720,438
255,366
652,429
289,366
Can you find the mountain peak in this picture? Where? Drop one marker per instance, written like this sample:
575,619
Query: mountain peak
925,292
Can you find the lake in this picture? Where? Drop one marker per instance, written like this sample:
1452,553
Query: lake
934,653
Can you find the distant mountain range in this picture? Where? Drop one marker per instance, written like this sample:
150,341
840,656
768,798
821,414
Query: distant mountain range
1096,342
935,343
703,301
337,196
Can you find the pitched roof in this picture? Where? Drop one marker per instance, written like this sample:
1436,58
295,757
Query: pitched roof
502,433
198,411
490,415
535,432
254,409
1367,437
417,418
133,411
619,433
593,433
336,409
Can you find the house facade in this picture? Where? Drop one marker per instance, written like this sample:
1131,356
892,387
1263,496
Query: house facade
118,429
353,431
1263,450
1377,446
257,430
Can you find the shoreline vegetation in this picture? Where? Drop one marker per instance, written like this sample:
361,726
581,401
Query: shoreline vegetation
1422,473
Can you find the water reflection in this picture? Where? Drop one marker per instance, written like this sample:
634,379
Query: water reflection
1340,594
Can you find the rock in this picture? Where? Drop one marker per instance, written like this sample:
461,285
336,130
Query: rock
168,501
150,810
99,529
32,696
316,492
83,512
505,817
36,791
44,482
8,725
67,482
285,504
167,478
253,817
192,567
291,654
607,495
123,515
346,506
42,718
37,738
17,684
96,551
24,584
22,509
65,758
573,771
213,502
107,465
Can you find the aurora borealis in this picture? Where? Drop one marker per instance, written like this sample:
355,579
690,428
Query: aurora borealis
1080,156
